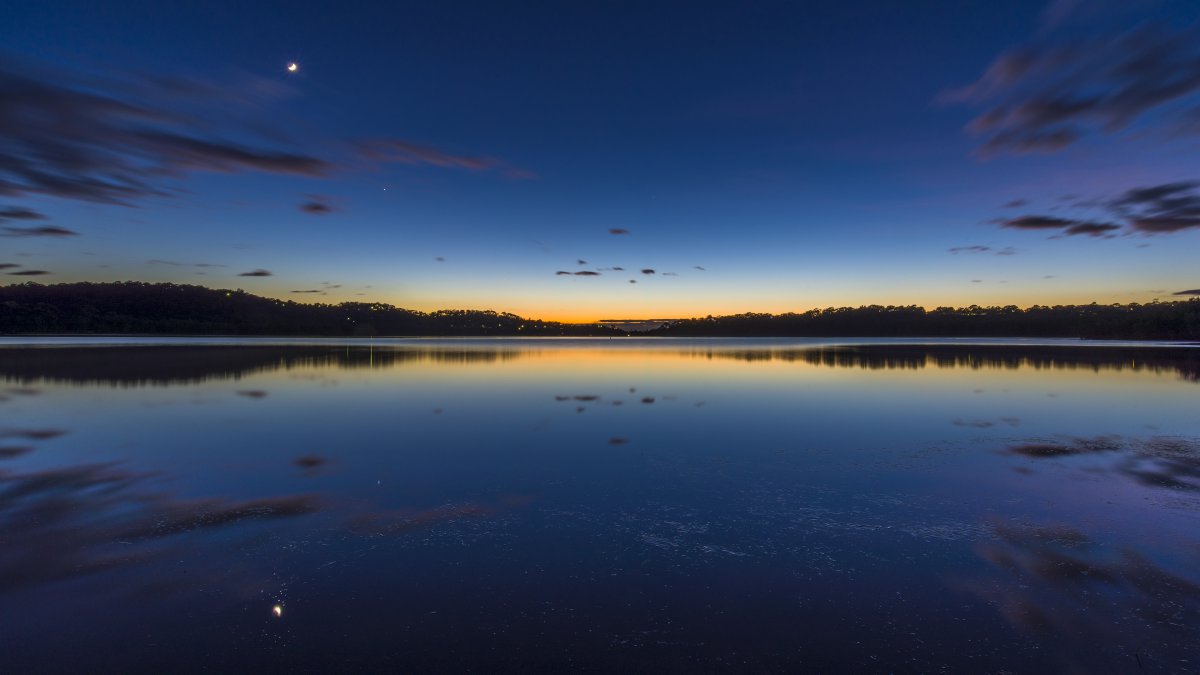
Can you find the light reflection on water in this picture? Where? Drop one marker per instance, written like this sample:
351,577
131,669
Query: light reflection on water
610,505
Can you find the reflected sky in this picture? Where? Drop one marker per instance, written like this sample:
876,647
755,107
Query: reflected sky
622,504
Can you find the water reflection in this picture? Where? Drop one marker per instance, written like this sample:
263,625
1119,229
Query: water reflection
1184,360
160,365
81,520
1159,462
827,508
167,365
1098,608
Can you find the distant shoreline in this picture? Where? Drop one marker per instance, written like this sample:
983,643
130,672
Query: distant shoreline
137,308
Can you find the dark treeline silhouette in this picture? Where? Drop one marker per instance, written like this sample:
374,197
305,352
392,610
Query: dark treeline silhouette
175,309
1152,321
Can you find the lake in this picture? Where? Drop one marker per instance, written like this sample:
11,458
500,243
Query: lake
238,505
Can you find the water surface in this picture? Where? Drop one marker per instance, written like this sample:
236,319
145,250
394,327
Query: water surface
678,505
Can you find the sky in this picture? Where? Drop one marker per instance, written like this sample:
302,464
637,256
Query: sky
581,161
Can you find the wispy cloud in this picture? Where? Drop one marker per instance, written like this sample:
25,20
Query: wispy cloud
1170,207
19,213
1193,291
173,263
1045,96
256,273
44,231
618,230
1156,209
122,138
317,206
90,139
399,151
979,248
1064,226
1091,229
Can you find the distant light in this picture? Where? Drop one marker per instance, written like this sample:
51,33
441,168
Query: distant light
293,67
277,610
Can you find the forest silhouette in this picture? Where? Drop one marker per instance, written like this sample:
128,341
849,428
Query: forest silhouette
177,309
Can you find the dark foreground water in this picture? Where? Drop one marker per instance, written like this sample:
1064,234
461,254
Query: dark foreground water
622,505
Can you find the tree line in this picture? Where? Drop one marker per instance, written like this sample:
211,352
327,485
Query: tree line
179,309
133,307
1151,321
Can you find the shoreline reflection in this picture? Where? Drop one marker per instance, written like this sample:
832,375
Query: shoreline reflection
180,364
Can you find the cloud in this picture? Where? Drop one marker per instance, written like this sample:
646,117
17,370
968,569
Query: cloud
19,213
173,263
1193,291
316,208
978,248
309,462
1165,208
670,274
106,141
1066,226
1042,97
309,291
698,268
586,273
1092,229
256,273
43,231
32,434
1036,223
190,153
1016,203
633,281
618,230
580,261
8,266
1155,209
648,271
29,273
398,151
618,269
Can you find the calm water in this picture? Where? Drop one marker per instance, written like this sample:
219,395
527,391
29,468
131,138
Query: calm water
618,505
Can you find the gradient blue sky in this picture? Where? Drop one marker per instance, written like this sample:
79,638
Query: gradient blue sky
803,154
